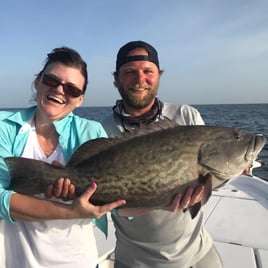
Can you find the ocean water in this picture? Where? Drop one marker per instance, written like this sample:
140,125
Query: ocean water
249,117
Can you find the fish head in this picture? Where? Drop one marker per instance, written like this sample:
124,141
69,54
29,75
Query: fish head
230,152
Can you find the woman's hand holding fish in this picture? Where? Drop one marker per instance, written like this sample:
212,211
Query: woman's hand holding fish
63,189
84,209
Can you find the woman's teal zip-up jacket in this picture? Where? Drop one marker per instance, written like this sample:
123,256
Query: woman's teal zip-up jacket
14,130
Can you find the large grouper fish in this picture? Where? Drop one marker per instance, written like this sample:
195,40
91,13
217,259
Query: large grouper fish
146,168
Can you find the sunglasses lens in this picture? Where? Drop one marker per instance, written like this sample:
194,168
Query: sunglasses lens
70,90
50,81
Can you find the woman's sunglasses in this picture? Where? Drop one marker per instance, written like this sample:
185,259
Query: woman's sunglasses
54,81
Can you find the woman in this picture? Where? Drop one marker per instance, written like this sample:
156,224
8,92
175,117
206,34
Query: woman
34,231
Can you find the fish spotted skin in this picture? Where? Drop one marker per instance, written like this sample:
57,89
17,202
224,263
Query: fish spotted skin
148,169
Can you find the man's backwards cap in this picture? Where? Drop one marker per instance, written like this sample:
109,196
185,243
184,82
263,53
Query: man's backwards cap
122,57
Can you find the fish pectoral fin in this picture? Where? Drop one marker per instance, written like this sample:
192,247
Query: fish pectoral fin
205,180
194,209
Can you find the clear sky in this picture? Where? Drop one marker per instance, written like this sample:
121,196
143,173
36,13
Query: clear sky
212,51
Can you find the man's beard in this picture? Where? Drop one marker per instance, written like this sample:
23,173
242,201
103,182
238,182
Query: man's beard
134,101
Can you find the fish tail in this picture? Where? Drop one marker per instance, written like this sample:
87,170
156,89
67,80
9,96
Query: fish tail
28,176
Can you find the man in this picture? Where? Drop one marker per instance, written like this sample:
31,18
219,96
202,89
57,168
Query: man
158,238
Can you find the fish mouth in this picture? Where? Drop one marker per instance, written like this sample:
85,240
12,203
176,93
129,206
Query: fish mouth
255,146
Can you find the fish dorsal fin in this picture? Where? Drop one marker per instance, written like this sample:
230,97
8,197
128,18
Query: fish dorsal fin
91,148
96,146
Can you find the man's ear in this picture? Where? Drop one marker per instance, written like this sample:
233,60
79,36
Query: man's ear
115,79
115,83
161,72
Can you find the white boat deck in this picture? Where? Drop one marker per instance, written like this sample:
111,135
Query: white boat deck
236,216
